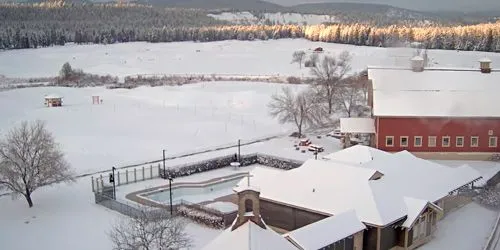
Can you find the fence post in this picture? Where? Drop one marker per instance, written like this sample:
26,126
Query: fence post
118,177
126,176
143,177
135,174
151,171
102,183
97,184
159,169
93,189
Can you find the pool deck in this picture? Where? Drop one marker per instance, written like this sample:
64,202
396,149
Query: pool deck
134,196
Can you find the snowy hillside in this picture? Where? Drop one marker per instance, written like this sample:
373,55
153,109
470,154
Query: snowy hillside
269,57
133,126
246,17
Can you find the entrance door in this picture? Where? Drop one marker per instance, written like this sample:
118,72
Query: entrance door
428,225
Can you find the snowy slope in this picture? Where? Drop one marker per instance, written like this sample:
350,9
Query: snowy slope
231,57
133,126
246,17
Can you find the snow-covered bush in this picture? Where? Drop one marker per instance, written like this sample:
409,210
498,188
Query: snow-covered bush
198,167
276,162
221,162
489,197
201,217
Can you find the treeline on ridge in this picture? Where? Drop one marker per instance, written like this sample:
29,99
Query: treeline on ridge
43,25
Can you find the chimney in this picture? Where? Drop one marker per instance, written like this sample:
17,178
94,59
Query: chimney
485,65
417,64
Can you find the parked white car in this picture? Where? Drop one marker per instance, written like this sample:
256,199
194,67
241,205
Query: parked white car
335,133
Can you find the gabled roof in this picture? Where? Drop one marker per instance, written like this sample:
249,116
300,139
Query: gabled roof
404,93
330,188
327,231
357,125
415,207
357,154
406,175
333,187
249,236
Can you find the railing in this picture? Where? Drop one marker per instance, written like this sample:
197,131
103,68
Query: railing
494,236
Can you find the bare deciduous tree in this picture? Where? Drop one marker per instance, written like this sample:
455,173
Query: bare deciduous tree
302,108
349,96
329,74
29,159
150,230
298,57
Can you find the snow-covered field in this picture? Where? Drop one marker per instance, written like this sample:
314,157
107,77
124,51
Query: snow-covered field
134,126
246,17
226,57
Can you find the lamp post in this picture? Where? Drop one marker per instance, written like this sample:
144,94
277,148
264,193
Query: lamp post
164,169
239,151
114,185
170,189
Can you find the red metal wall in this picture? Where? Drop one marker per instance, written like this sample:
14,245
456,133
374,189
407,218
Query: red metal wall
439,127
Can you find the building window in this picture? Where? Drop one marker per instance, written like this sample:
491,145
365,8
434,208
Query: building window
445,141
389,141
459,141
432,141
474,141
417,141
403,141
493,141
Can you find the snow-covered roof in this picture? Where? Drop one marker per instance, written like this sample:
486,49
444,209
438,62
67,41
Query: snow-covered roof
357,154
414,208
333,187
357,125
330,188
249,236
485,59
52,96
434,92
327,231
406,175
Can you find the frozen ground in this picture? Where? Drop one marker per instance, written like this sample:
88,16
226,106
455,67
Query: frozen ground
225,57
65,217
465,229
134,126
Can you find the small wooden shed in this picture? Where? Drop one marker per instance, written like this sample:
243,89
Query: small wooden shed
53,101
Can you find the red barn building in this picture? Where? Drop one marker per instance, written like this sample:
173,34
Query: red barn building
437,113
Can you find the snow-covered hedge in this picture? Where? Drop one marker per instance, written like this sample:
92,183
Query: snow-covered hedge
221,162
277,162
201,217
198,167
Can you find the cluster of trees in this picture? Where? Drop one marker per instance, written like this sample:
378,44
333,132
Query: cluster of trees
333,90
42,25
480,37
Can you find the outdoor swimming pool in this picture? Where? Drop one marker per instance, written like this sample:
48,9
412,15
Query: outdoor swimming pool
195,193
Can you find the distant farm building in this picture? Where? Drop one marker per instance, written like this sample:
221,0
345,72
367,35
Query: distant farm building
53,101
436,113
318,49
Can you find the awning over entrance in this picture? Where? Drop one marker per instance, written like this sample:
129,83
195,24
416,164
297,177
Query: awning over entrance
357,125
